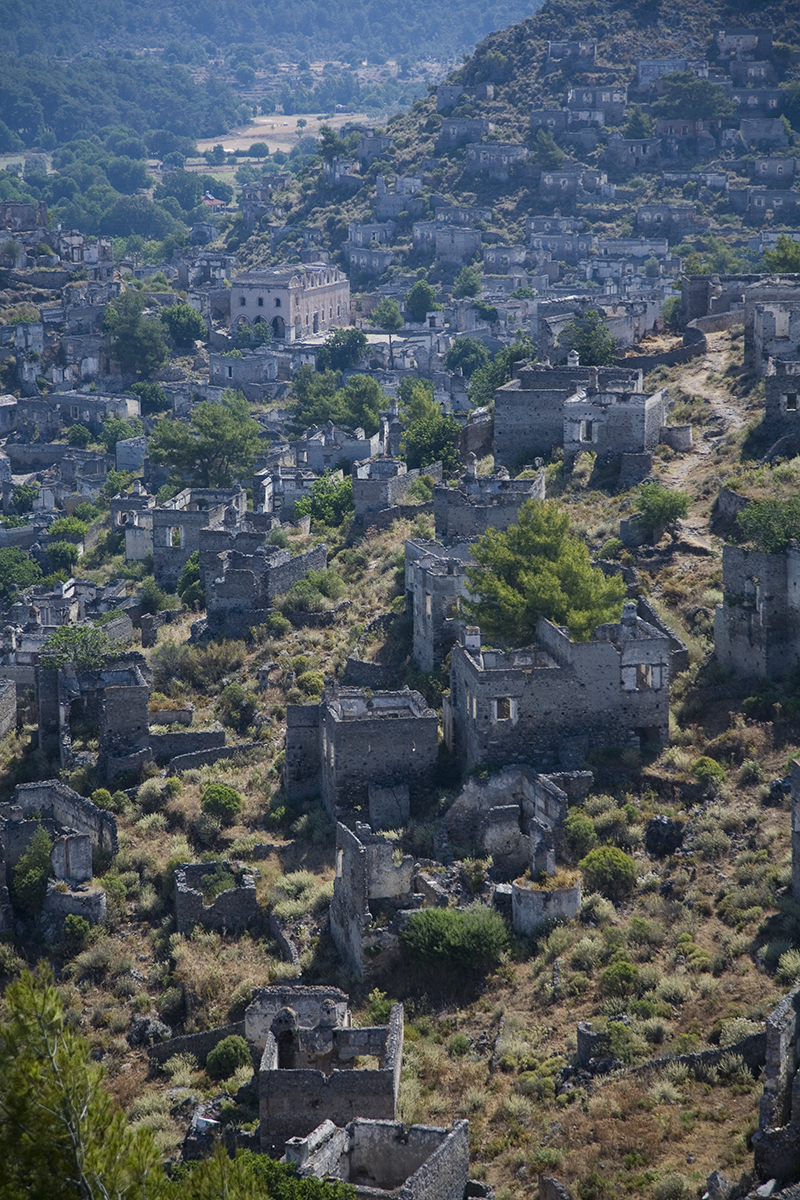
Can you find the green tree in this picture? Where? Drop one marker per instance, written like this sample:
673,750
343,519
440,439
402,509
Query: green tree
330,500
458,943
30,875
638,124
685,95
341,349
83,647
190,585
319,398
546,153
17,570
137,341
218,446
128,175
785,256
430,436
152,397
184,323
484,381
68,529
24,496
659,508
331,145
62,556
467,353
468,283
769,524
115,429
790,106
421,300
229,1054
591,337
61,1136
78,435
387,316
534,569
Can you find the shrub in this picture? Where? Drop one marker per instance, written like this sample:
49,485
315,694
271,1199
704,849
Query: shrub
237,707
277,624
461,941
706,770
240,998
379,1007
789,968
609,871
672,1187
102,798
311,682
618,979
149,796
227,1056
75,934
659,508
219,800
580,833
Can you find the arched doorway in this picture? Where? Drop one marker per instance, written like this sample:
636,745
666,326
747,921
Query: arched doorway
279,327
316,322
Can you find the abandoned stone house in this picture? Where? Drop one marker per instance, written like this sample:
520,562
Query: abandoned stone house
436,585
776,333
481,502
385,1159
614,425
447,94
499,260
350,746
456,244
784,205
552,120
369,260
782,387
763,129
323,447
457,131
757,626
607,102
628,156
402,198
78,828
8,706
552,702
495,159
293,302
529,410
570,56
306,1047
177,525
379,485
241,585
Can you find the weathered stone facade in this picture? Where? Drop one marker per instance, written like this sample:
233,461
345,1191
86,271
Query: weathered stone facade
307,1068
757,627
386,1159
233,910
350,741
177,525
293,302
481,502
554,701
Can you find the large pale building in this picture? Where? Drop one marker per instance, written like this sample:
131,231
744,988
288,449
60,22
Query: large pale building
295,302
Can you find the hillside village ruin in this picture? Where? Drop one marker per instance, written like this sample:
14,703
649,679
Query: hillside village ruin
525,731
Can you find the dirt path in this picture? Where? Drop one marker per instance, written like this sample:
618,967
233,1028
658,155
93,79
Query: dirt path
727,414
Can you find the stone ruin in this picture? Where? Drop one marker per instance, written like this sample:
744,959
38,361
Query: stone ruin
78,829
386,1159
307,1050
235,909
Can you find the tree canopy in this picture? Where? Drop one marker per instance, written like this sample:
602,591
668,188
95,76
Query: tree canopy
771,524
421,300
17,570
341,349
468,283
486,379
83,647
329,501
534,569
638,124
467,353
218,447
685,95
184,323
138,343
591,337
430,436
318,397
784,257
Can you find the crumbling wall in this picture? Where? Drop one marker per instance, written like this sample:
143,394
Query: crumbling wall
425,1162
482,502
70,810
198,1044
8,706
312,1006
757,627
301,768
236,908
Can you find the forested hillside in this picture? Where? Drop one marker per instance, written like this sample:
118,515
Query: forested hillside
310,29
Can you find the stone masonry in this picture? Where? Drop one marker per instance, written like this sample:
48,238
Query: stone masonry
552,702
351,742
757,627
481,502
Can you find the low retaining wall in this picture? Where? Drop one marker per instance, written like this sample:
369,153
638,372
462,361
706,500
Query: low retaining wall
198,1044
718,322
694,345
729,503
205,758
398,512
171,745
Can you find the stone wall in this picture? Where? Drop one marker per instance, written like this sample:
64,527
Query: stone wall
166,746
152,622
757,627
531,906
198,1044
8,706
234,909
481,502
694,345
206,758
58,802
424,1162
553,702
